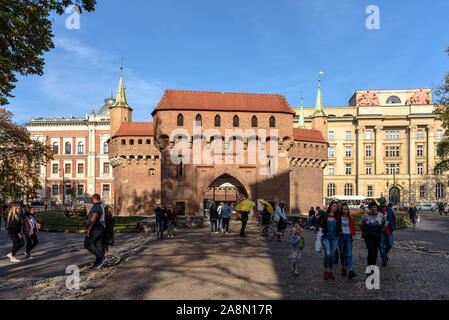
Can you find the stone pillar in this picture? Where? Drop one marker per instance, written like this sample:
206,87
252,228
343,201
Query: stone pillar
412,149
379,164
430,148
359,157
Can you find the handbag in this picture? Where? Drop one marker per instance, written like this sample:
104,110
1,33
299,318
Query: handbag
318,243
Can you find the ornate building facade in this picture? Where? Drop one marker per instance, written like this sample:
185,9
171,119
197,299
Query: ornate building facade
384,143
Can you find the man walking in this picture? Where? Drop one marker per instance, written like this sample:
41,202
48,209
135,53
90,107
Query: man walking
413,214
386,242
95,229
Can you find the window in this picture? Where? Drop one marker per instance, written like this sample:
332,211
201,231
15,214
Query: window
348,151
422,191
131,141
105,147
235,121
254,122
370,191
331,191
139,141
106,168
392,151
348,169
54,168
272,122
67,168
368,151
106,191
55,148
392,168
348,189
80,189
439,134
55,190
438,171
80,168
148,141
392,135
68,189
368,134
330,152
68,148
419,151
439,191
180,120
123,141
393,99
368,168
330,136
217,121
80,147
419,134
331,169
151,172
420,168
199,121
348,135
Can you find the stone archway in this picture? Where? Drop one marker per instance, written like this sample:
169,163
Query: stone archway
225,188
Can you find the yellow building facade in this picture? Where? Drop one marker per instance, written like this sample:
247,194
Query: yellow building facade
384,143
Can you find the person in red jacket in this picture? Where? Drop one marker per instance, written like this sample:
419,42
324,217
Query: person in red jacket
345,241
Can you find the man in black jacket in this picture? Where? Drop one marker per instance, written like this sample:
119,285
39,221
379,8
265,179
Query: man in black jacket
413,214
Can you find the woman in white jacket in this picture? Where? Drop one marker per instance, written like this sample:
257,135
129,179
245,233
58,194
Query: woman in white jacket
280,218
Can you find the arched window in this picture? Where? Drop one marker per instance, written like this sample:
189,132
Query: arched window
68,148
148,141
217,121
272,122
80,147
439,191
235,121
254,122
199,120
131,141
348,189
105,147
393,99
180,120
55,148
331,190
139,141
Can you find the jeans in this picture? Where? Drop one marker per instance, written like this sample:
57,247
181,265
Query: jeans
225,224
17,243
329,252
372,244
160,229
220,222
386,242
31,243
345,244
170,227
242,231
94,244
213,224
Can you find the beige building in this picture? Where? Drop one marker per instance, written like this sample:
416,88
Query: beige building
384,143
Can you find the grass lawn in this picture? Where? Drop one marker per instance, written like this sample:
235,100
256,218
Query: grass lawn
57,221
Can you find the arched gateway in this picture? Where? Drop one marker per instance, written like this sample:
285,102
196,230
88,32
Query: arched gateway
226,189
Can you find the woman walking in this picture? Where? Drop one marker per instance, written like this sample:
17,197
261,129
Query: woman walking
108,236
30,229
226,212
372,224
331,229
265,219
213,215
345,242
220,223
14,226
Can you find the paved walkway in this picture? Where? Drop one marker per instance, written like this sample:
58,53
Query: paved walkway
200,265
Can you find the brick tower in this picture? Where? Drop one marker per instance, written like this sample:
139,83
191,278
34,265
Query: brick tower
319,117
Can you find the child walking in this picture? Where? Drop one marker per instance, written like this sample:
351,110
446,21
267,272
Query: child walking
297,246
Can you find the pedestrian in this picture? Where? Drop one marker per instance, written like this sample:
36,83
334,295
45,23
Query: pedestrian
96,222
226,213
265,219
108,237
413,214
281,219
311,216
2,213
371,225
346,241
244,219
319,216
297,242
159,223
213,216
446,209
337,253
30,229
440,208
14,227
171,222
331,229
386,242
220,217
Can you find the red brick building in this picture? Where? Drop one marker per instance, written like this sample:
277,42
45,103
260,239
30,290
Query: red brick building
151,169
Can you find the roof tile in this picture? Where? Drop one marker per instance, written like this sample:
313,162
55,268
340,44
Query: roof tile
135,129
308,135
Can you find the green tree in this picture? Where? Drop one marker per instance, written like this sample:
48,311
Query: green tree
442,94
25,35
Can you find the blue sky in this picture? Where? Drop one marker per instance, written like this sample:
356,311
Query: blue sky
241,46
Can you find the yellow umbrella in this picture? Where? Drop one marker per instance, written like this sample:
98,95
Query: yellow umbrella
269,207
245,205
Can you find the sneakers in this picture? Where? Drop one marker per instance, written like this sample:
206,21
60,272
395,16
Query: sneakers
15,260
93,265
9,256
351,274
296,273
331,275
326,275
101,263
343,271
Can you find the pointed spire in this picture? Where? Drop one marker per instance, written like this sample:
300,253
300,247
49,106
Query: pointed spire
120,101
319,111
301,123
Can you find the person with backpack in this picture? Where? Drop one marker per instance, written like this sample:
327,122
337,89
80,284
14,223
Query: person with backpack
108,236
226,213
14,227
30,228
95,231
